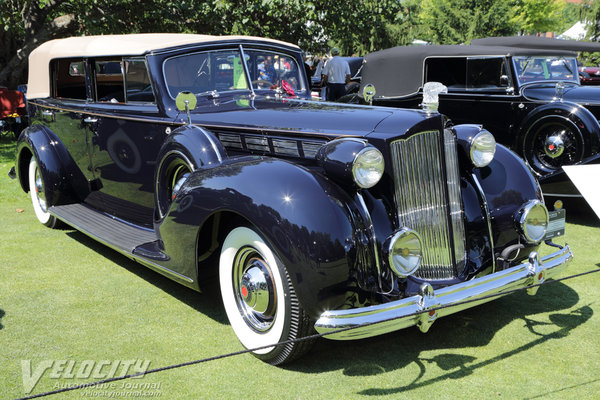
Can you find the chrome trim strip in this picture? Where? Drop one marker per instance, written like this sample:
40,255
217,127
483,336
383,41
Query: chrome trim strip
488,218
367,215
388,317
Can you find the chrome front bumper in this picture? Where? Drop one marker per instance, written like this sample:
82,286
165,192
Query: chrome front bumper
388,317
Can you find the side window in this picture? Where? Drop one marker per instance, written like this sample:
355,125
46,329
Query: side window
109,80
268,68
137,81
203,72
450,71
68,77
486,73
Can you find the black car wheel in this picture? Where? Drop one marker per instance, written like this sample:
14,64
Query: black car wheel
38,196
259,299
552,143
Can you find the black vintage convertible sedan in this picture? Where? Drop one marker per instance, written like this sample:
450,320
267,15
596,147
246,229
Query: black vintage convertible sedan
530,98
200,156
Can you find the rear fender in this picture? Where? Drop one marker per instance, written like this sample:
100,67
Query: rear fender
64,183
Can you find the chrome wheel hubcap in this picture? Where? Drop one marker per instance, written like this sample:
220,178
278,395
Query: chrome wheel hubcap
554,146
254,289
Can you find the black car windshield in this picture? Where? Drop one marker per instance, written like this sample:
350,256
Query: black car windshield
223,70
541,69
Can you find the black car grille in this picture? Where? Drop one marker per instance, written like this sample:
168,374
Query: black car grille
427,194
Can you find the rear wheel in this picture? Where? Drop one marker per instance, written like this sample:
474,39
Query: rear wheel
38,196
259,299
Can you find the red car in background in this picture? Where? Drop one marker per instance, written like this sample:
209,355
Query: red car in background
589,75
13,112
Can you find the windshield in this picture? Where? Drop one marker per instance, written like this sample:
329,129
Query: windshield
224,70
540,69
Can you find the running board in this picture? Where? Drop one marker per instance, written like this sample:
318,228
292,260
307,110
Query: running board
140,243
104,228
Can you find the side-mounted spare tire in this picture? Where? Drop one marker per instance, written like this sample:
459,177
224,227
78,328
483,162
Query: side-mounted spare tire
185,150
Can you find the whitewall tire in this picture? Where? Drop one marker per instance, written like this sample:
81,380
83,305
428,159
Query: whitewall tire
38,195
259,299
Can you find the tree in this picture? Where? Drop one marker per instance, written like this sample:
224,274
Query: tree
535,16
459,21
27,23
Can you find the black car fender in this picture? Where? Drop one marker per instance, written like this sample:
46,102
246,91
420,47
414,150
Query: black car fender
307,220
577,115
62,179
507,184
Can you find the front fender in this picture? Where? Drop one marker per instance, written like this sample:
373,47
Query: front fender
507,184
306,219
62,178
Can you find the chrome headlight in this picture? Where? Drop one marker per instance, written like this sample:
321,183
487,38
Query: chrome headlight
404,252
483,148
367,168
534,221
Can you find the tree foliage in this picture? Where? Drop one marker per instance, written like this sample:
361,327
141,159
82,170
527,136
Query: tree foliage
459,21
356,27
535,16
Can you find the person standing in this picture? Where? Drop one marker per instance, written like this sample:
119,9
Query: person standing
335,75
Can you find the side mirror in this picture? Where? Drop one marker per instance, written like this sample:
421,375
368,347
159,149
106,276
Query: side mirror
368,93
186,101
503,81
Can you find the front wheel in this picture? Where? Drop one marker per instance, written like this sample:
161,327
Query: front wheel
552,143
38,196
259,299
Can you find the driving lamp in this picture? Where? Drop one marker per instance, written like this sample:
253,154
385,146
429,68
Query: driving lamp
405,252
534,221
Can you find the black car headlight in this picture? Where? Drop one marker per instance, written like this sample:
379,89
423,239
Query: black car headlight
352,161
483,148
367,168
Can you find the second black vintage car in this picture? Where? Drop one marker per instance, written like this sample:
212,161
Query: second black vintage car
530,98
200,156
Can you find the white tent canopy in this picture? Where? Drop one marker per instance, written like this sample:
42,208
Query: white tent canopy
576,32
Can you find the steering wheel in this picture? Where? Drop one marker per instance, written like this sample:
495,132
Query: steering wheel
263,82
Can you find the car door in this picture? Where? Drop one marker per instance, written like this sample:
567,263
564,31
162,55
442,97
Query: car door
480,90
127,133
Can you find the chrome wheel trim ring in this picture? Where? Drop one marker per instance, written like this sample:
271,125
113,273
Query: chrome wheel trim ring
39,190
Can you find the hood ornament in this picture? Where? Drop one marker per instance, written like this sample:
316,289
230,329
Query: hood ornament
559,90
431,99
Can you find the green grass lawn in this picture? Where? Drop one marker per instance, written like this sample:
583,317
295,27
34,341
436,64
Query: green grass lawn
64,296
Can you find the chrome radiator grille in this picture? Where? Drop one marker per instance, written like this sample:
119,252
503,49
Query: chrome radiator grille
427,193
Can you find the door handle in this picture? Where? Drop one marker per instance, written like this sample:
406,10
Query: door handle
90,120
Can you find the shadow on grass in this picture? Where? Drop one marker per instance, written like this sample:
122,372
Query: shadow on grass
208,302
2,313
579,212
471,328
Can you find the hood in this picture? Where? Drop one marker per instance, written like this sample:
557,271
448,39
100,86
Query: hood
583,95
292,115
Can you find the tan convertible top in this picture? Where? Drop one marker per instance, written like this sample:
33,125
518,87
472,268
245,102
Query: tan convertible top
109,45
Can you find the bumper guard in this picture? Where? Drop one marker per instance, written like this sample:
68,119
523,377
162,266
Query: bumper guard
383,318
